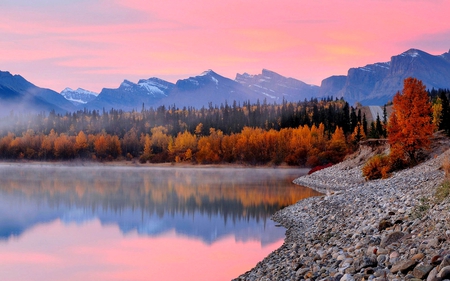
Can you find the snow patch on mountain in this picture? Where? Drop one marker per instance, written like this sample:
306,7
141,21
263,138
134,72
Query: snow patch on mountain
78,96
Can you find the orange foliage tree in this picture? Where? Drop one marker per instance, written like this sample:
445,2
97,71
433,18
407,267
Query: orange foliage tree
410,126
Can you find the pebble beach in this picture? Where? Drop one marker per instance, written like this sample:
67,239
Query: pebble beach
386,229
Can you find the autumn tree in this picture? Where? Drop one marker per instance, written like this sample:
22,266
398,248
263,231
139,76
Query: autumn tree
147,154
337,147
64,147
410,126
358,134
81,143
101,147
130,143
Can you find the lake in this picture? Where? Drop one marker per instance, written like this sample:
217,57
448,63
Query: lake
99,222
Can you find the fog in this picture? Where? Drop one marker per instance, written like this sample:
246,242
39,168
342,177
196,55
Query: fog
205,203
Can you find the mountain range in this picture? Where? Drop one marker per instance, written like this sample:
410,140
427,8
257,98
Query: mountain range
373,84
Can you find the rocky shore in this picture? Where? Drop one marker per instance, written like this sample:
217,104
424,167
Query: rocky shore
390,229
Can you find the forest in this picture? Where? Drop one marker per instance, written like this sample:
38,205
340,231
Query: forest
306,133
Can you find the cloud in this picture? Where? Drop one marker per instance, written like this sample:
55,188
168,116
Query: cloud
307,40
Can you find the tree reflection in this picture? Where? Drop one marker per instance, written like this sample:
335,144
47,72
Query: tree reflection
218,194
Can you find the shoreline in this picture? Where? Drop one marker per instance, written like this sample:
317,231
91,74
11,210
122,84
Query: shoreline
125,163
387,229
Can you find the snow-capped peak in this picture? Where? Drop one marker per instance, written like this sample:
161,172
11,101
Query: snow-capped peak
78,91
78,96
152,87
207,72
411,52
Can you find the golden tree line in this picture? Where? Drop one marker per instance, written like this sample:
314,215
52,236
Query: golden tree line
303,145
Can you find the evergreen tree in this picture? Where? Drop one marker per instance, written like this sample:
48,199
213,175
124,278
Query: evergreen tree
364,123
445,116
379,127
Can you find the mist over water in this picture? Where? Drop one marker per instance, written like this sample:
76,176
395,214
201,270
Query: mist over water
209,205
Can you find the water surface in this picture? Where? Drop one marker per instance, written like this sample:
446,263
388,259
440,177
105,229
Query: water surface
134,223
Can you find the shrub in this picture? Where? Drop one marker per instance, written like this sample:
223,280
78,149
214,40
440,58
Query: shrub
143,159
442,191
376,167
420,209
318,168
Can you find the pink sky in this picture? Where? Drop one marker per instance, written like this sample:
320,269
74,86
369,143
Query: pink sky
98,43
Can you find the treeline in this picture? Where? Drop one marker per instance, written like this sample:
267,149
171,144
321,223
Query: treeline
226,118
313,132
295,146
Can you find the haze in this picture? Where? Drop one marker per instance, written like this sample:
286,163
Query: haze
97,43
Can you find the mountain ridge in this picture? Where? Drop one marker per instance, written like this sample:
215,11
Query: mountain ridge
372,84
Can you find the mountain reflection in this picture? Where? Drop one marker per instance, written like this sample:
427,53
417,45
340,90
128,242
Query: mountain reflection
205,203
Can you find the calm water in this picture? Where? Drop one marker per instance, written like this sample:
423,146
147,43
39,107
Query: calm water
116,223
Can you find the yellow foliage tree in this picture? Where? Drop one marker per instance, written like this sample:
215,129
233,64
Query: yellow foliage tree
81,143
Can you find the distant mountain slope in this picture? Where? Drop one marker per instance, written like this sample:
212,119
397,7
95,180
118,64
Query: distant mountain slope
78,96
131,95
208,88
373,84
19,95
272,86
377,83
203,90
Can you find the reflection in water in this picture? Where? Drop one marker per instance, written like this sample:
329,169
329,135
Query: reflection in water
201,202
119,223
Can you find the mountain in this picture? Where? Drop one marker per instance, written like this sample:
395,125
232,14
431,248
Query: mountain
19,95
131,95
208,88
78,96
373,84
332,85
203,90
273,86
377,83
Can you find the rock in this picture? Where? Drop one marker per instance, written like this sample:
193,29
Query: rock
436,259
368,270
370,261
445,261
431,243
421,271
444,273
432,274
384,224
391,238
381,259
418,257
393,255
347,277
403,266
302,271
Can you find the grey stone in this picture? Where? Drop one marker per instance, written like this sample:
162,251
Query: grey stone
403,266
444,273
422,271
391,238
347,277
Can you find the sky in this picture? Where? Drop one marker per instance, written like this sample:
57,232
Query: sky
95,44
